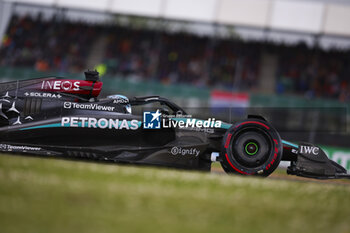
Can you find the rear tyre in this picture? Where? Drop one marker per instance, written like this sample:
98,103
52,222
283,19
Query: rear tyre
251,147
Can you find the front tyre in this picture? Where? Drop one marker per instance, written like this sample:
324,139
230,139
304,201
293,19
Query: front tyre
251,147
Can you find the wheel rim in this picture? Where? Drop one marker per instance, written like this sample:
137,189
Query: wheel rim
251,148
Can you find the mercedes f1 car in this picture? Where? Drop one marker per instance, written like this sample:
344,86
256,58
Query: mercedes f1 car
65,118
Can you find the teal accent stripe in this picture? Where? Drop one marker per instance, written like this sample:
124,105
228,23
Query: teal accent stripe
225,125
55,125
58,125
290,144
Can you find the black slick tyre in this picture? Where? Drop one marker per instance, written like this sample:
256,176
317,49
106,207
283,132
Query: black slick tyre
251,147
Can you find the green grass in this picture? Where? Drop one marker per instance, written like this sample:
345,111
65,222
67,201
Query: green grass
50,195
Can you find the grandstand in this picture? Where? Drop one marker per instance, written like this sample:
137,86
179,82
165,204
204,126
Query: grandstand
227,62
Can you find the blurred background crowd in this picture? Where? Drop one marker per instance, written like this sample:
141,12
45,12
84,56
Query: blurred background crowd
173,57
46,45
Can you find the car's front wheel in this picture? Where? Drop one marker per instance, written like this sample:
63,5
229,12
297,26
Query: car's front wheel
251,147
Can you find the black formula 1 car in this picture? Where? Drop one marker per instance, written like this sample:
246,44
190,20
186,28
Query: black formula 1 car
64,118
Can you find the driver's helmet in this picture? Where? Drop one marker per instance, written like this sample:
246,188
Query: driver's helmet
121,99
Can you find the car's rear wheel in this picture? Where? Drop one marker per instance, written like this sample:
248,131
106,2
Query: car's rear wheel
251,147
